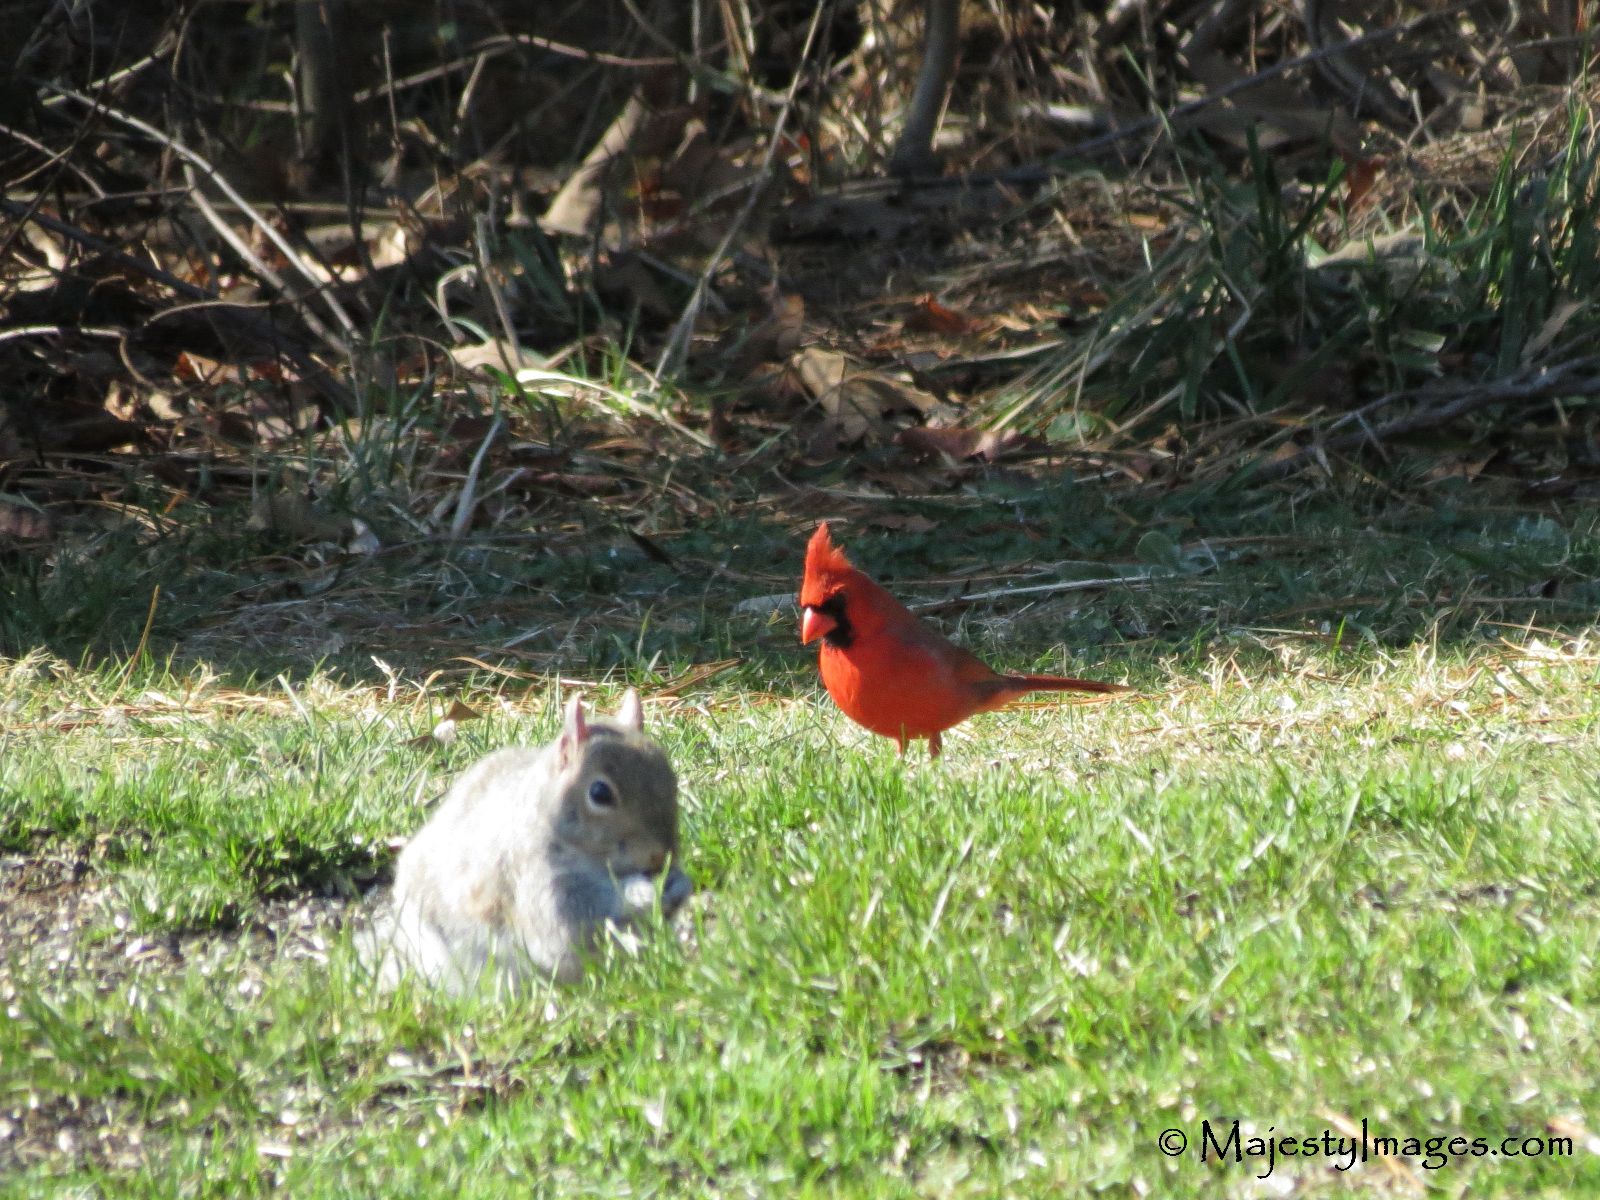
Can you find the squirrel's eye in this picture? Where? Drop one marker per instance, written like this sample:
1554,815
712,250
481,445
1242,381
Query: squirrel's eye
601,795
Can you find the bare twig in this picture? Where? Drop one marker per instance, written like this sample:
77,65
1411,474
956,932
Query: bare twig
237,317
1442,403
1140,577
53,158
27,331
199,163
677,345
493,47
106,82
252,260
1342,70
1037,173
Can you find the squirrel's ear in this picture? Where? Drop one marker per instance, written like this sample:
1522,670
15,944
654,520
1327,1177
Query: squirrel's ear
574,730
630,713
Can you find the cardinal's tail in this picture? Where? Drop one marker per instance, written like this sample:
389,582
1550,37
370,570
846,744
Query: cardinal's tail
1006,688
1020,684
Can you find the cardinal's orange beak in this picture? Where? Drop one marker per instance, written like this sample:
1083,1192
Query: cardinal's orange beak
814,624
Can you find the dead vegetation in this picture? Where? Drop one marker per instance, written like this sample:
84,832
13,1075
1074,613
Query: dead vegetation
392,274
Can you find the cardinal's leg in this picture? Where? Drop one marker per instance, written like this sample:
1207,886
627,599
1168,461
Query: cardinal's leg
933,745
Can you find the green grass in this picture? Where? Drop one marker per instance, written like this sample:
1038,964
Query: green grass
1333,868
1329,867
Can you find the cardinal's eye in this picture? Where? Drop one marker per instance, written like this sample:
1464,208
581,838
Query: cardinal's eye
601,795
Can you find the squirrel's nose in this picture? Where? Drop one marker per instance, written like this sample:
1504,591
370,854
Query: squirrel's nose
656,861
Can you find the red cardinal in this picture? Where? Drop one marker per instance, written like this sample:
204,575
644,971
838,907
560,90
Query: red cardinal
891,672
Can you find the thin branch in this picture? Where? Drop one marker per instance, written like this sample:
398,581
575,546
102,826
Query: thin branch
1341,70
27,331
199,163
1141,577
677,345
469,490
52,158
236,315
493,47
1578,375
1037,173
106,82
252,260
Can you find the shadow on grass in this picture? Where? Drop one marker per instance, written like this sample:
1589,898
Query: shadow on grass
1362,566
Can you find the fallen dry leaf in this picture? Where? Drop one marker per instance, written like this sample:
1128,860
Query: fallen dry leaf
498,354
826,377
961,445
24,524
778,336
858,399
929,316
362,541
292,515
1360,174
630,282
444,732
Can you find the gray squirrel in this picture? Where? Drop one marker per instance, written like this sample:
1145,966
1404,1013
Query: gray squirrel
535,856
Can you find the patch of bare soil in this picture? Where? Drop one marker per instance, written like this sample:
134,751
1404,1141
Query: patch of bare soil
60,929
